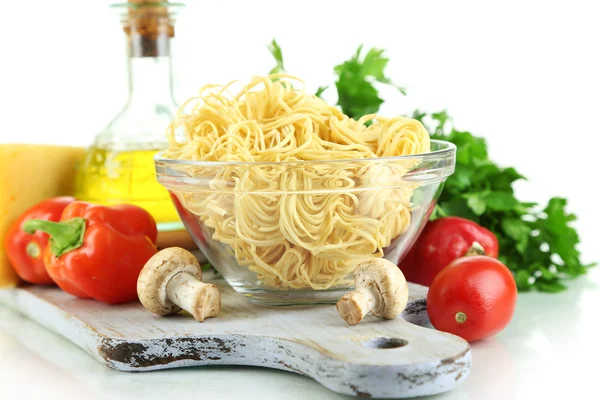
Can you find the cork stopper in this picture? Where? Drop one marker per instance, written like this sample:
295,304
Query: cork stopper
149,18
148,24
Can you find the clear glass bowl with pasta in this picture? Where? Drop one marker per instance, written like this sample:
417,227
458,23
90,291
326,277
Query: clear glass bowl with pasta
291,233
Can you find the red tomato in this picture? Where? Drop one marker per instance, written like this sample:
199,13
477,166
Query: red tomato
474,297
443,241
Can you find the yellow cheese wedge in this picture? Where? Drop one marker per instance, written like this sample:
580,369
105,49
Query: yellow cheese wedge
29,174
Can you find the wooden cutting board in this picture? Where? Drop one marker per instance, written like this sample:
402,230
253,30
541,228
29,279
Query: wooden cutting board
377,358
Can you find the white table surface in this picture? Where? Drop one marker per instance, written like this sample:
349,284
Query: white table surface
542,354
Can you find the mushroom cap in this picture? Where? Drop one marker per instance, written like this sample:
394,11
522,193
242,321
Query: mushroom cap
156,274
389,283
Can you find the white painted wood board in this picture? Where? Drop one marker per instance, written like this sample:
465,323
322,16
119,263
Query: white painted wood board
313,341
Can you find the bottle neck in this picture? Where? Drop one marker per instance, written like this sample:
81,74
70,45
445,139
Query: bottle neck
150,81
149,34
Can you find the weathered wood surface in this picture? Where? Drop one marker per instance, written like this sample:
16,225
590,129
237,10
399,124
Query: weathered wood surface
312,341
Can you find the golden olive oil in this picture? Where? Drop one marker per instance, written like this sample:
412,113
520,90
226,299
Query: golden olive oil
113,177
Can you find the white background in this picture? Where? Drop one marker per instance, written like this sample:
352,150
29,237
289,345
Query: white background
523,74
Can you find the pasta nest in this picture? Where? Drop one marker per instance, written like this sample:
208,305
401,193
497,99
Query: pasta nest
303,192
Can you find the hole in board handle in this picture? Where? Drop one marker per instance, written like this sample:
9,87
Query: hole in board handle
385,343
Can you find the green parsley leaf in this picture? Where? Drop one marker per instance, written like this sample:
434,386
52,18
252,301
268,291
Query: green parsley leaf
320,90
550,287
206,266
522,279
518,230
277,54
476,202
463,178
500,201
356,77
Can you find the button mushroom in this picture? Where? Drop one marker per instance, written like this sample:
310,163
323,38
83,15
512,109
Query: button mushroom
380,288
172,280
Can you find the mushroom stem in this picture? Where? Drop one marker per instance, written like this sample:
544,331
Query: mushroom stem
380,289
202,300
355,305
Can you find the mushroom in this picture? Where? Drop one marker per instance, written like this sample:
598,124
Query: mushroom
172,280
380,288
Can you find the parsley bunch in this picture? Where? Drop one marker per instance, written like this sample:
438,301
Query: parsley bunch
538,244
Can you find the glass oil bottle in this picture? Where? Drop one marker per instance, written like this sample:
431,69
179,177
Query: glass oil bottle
119,165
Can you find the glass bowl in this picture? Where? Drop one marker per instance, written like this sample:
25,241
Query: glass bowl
295,238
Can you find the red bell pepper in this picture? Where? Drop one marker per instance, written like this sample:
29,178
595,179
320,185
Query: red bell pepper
189,220
98,252
443,241
25,251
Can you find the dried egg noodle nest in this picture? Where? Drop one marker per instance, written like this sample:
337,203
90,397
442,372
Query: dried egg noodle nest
314,236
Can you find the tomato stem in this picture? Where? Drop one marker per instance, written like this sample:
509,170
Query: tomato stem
476,249
461,317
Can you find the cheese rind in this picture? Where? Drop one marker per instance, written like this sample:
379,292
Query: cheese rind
29,174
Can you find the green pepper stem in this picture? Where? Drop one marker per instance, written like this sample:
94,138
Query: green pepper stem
65,236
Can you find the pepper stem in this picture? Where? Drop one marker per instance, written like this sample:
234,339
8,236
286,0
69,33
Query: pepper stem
65,236
33,250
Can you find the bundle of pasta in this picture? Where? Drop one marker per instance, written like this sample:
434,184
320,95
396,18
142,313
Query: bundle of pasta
286,211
